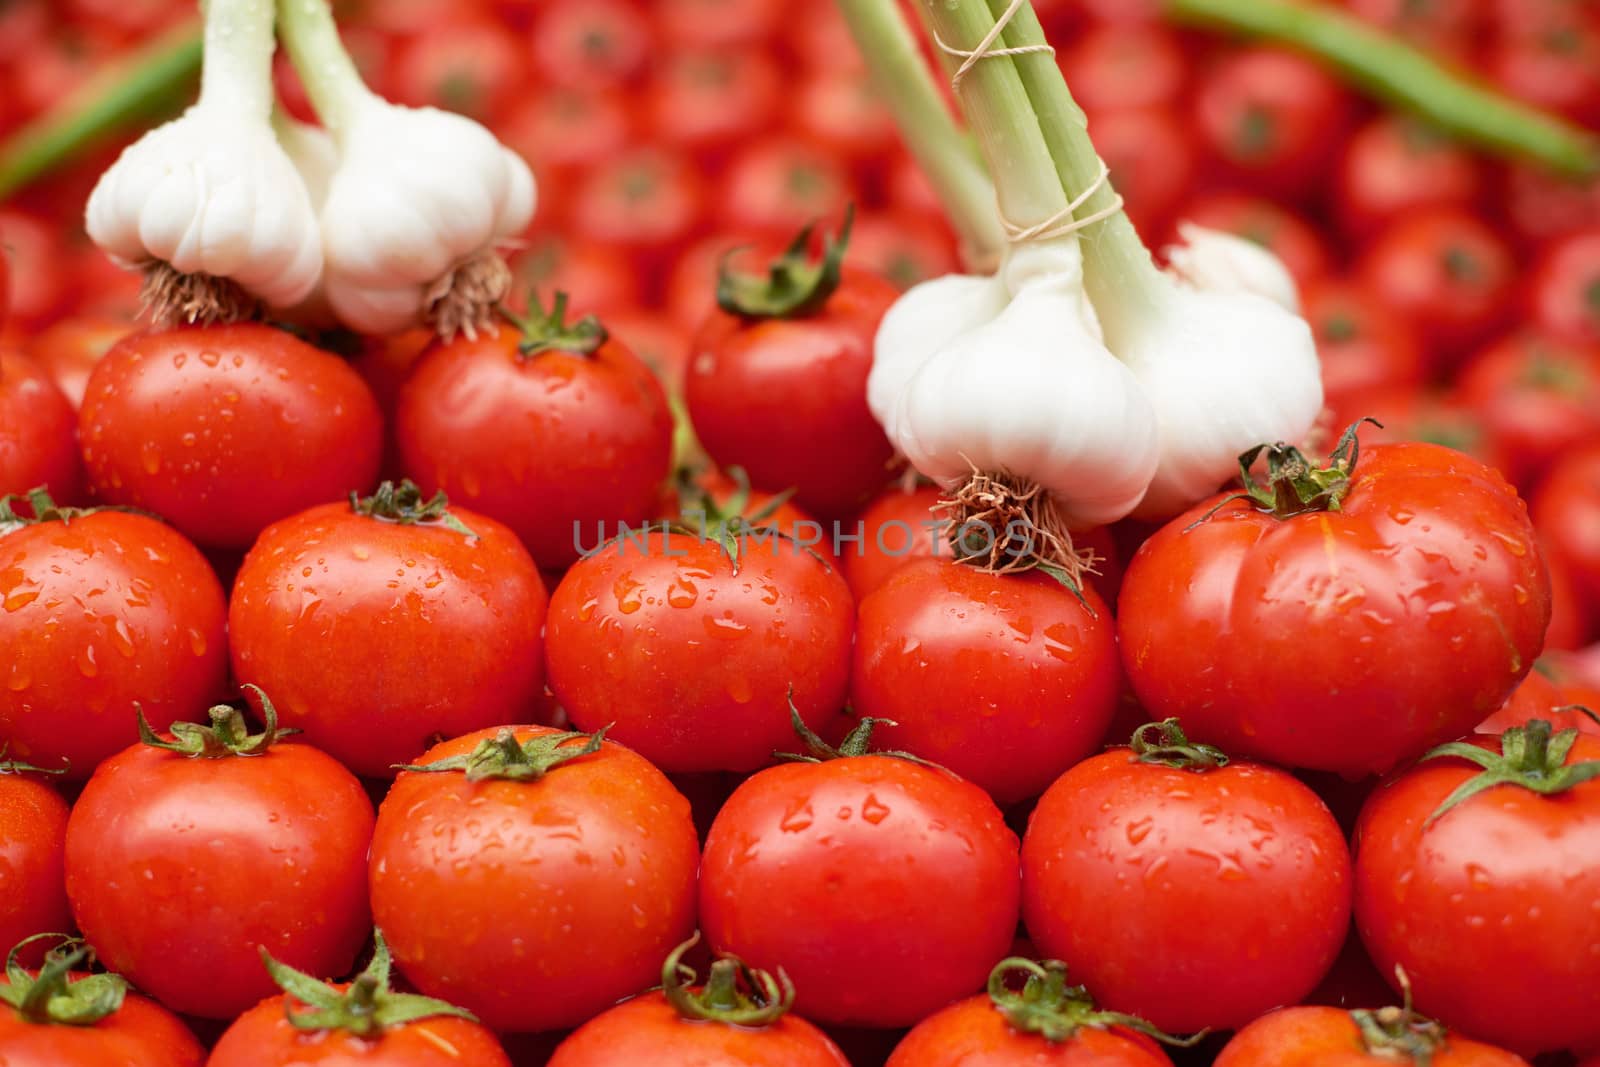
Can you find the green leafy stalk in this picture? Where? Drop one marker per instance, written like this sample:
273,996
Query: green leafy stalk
793,286
367,1008
735,994
52,996
504,757
1531,757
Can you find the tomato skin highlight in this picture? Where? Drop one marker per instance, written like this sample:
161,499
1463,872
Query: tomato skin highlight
972,1033
400,632
647,1029
1192,899
1344,641
1491,908
1314,1036
1007,680
554,446
263,1037
178,868
693,661
223,430
149,632
33,893
534,905
853,870
141,1033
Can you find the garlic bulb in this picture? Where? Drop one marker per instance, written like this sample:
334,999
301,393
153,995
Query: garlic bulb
1217,261
209,204
315,156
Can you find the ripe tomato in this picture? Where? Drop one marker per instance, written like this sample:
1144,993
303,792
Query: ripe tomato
223,430
1286,235
541,886
728,1021
562,132
33,827
473,67
1115,65
69,350
706,101
659,342
691,289
1362,345
1445,27
1344,640
1151,156
185,858
1564,294
1182,888
1554,63
40,286
1317,1036
1542,205
903,248
145,630
717,23
1395,166
5,288
843,113
597,279
858,868
694,658
897,527
1539,697
590,44
554,430
648,201
1488,903
1566,509
777,380
38,432
777,184
1409,413
415,621
1007,680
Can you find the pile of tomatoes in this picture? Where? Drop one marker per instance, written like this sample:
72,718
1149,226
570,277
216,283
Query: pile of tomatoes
455,673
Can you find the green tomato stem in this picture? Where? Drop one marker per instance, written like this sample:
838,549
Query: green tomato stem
929,130
147,83
329,74
1405,77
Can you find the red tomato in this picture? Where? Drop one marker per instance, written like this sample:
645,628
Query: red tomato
696,660
1539,697
560,443
717,23
184,861
1322,1037
1115,65
1446,270
1446,27
1286,235
469,66
1007,680
777,184
1270,119
435,615
1184,889
5,287
1151,156
223,430
1566,509
857,868
691,290
69,350
903,248
1503,875
713,495
566,130
1572,616
648,201
897,527
1564,293
38,432
40,287
842,112
597,279
706,101
1542,205
536,903
1343,640
1412,414
590,44
1537,398
1396,166
909,189
147,632
1362,345
33,827
659,342
1553,64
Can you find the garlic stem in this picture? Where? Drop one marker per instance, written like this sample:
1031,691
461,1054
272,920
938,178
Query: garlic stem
906,86
325,67
236,68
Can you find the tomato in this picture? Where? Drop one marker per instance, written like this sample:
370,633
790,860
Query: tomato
1323,1036
558,442
706,101
1343,640
1395,166
534,903
39,286
903,248
147,632
1488,902
844,113
38,432
717,23
469,66
1007,680
1294,241
223,430
1538,398
712,496
1542,205
1117,65
596,278
69,350
1409,413
1572,616
775,185
1447,270
1151,156
185,858
777,381
1566,508
1270,119
899,526
1564,293
590,44
562,131
5,288
1553,64
647,201
691,289
33,827
659,342
1539,697
697,660
1182,888
886,888
433,615
1449,28
1362,345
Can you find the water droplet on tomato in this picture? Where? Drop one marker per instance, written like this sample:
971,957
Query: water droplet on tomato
150,458
798,817
197,642
1139,829
873,810
210,358
86,662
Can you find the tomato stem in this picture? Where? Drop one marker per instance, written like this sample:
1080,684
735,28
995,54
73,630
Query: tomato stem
1399,1033
793,286
1047,1006
544,331
367,1008
735,994
403,505
228,735
1531,756
1166,744
52,996
504,757
858,742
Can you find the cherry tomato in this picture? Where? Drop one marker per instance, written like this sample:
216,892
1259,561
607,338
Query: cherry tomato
717,23
1566,508
1572,616
1007,680
1552,63
1564,293
648,201
1115,65
590,44
1362,345
1343,640
596,278
472,67
537,903
886,888
1182,888
560,443
33,828
1408,413
1293,240
223,430
695,659
1151,157
777,184
145,630
659,342
1542,205
69,350
433,614
561,132
1504,874
706,101
184,861
1315,1036
842,112
1395,166
903,248
38,432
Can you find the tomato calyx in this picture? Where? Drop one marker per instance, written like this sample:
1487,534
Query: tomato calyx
735,993
1399,1033
52,996
504,757
794,285
544,331
1531,756
366,1008
1293,485
1166,744
228,735
41,507
699,505
858,742
403,504
20,767
1047,1006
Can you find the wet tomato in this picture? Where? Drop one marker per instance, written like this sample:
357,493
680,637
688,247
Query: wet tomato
69,350
1362,345
776,184
1566,508
897,527
1313,1036
33,828
1395,166
709,100
38,432
1564,294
